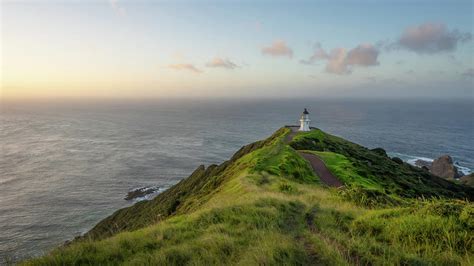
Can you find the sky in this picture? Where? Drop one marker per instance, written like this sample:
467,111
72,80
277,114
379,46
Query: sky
236,49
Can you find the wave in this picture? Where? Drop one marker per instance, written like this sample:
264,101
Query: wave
157,190
411,159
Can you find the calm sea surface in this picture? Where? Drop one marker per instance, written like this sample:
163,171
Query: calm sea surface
64,166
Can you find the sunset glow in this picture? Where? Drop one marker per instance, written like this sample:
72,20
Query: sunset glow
142,49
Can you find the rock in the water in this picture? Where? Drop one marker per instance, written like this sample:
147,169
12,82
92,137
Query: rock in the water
140,192
444,167
422,163
468,180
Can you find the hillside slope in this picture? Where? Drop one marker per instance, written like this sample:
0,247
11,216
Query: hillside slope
266,206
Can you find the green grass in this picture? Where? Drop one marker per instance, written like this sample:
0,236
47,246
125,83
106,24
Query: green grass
314,134
255,233
184,197
281,160
373,165
265,207
421,231
362,190
344,169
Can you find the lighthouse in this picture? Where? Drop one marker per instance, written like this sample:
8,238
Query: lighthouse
304,121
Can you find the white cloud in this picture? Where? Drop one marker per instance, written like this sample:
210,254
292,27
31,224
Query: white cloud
341,62
222,62
278,48
189,67
363,55
337,62
319,54
429,38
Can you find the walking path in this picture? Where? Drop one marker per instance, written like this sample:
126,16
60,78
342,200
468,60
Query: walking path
321,170
291,135
317,164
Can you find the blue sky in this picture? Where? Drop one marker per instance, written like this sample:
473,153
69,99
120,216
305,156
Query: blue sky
117,48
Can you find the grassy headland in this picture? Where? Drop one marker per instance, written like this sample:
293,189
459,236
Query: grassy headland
266,206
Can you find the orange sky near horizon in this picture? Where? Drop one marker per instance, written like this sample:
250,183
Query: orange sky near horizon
126,49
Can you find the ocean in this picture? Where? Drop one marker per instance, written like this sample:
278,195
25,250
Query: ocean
65,164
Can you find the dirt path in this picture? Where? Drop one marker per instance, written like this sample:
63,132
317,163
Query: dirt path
317,164
321,170
292,134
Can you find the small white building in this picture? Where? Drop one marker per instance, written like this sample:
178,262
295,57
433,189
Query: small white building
304,121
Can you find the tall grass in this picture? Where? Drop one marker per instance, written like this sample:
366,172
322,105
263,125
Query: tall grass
265,207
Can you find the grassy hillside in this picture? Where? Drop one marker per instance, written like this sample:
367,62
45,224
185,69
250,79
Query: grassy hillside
183,197
266,206
373,169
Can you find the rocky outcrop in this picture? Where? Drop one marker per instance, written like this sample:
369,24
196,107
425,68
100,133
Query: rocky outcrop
141,192
444,167
422,163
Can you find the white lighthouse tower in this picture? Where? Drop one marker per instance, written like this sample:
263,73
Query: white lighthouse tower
304,121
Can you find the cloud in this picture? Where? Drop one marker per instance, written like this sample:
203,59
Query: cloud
469,73
336,62
363,55
430,38
222,62
188,67
117,8
319,54
341,62
278,48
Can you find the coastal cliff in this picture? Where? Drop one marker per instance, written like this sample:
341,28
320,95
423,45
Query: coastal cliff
269,205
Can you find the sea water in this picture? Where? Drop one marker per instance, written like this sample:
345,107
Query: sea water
65,165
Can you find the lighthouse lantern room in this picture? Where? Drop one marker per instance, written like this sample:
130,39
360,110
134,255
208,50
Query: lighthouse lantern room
304,121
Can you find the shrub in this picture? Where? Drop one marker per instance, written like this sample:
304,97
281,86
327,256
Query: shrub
467,216
380,151
397,160
285,187
368,197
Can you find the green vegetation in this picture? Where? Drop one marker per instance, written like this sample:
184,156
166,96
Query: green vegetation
265,206
373,165
341,167
184,197
281,160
